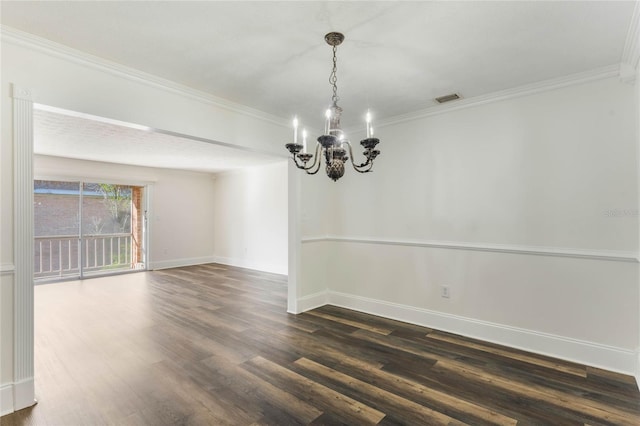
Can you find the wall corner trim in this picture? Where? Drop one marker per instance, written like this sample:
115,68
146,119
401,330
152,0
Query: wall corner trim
312,301
23,310
588,353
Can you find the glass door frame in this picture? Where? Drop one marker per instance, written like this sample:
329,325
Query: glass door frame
81,238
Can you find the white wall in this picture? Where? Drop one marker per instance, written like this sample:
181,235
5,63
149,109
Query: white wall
494,182
521,207
181,205
316,210
61,77
250,218
541,170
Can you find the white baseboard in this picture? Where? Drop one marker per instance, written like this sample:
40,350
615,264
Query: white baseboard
312,301
177,263
249,264
6,400
637,375
16,396
24,394
597,355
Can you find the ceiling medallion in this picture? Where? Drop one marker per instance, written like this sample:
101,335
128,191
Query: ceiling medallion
333,144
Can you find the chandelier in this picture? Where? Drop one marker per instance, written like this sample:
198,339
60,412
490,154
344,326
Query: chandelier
333,144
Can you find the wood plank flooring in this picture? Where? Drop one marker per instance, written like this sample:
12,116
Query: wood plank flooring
213,345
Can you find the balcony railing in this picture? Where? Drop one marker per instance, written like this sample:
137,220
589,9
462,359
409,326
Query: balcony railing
59,255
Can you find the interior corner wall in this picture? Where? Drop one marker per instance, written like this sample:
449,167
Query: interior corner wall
250,218
180,208
525,208
317,203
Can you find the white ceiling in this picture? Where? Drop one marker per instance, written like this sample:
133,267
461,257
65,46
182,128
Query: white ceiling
396,58
63,134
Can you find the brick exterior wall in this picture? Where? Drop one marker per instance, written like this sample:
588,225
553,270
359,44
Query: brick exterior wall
57,214
137,216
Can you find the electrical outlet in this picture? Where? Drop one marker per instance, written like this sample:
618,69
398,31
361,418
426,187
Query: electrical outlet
445,292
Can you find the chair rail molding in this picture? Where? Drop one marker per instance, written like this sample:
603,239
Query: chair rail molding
23,346
605,255
7,269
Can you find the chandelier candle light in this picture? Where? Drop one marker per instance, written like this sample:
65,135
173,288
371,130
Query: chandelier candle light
331,145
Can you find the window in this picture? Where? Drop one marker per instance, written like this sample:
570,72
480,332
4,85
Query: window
86,228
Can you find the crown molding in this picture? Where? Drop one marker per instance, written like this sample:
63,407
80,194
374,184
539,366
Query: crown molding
516,92
630,56
631,52
48,47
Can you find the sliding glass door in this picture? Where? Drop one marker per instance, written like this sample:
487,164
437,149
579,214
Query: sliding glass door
87,228
56,229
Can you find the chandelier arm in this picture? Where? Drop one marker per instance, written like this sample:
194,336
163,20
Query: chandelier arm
297,163
302,165
360,167
316,162
313,172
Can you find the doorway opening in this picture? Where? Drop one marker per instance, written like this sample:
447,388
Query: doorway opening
84,229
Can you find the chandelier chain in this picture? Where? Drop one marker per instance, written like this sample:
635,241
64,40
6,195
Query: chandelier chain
333,78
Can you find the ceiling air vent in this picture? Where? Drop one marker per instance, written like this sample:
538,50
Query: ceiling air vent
448,98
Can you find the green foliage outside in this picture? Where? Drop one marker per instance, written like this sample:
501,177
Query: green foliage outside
117,200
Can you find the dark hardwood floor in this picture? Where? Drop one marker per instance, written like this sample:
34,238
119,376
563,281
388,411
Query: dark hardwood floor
213,345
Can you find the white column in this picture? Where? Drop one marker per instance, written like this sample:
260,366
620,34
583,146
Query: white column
24,394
